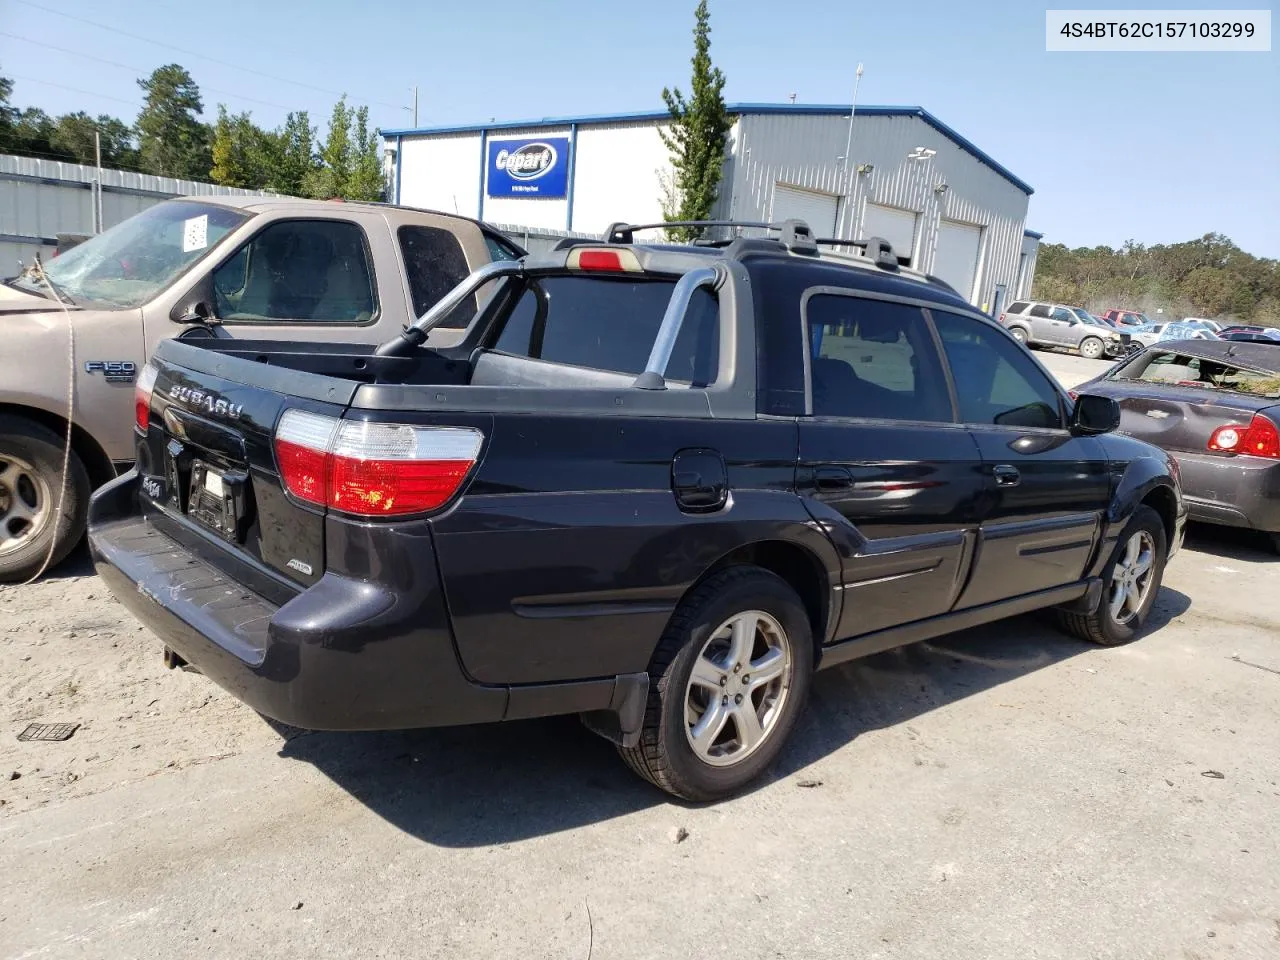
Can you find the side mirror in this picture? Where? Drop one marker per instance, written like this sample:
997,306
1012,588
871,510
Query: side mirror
197,305
1093,415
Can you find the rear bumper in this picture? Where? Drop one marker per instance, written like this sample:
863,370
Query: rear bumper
1233,491
344,654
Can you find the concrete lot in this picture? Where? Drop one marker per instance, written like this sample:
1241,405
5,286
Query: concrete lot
1004,792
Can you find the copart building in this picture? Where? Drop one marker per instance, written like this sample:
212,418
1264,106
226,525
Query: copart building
938,198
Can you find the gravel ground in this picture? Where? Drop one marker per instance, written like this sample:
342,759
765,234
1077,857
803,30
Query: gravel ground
1003,792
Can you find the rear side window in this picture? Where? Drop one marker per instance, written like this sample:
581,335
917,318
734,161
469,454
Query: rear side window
298,270
1040,310
611,324
435,264
996,382
1017,307
500,249
873,359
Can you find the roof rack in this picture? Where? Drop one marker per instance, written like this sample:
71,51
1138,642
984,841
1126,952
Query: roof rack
795,235
876,248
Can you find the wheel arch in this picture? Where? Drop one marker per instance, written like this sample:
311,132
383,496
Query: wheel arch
798,566
96,462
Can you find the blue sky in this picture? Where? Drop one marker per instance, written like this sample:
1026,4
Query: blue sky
1159,147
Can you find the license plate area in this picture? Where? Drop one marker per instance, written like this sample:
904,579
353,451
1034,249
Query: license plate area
219,499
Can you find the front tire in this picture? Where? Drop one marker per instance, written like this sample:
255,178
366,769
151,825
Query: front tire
30,474
726,686
1130,582
1091,348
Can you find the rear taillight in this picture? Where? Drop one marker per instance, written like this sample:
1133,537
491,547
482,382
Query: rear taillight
1260,438
142,396
609,259
1002,319
1073,395
373,469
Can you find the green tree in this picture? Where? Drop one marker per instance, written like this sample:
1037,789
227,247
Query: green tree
297,160
8,114
330,179
244,155
697,136
73,134
172,142
366,181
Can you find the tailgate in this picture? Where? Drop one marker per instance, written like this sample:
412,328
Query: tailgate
207,457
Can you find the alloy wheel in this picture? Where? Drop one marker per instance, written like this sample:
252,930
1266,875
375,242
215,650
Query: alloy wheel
25,504
1132,577
738,687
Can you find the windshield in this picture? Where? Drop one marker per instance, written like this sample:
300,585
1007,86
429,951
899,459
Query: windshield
1083,315
1186,371
133,261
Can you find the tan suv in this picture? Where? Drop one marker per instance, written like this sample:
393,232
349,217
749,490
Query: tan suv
1039,324
261,268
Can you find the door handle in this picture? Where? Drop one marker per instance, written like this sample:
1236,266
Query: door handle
1006,475
832,478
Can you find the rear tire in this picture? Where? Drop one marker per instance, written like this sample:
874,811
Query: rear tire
30,474
1091,348
1130,582
1275,542
698,741
1019,334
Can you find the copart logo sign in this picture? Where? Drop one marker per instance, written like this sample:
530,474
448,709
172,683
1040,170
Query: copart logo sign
528,168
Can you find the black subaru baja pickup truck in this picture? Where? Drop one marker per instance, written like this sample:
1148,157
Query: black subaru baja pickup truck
656,485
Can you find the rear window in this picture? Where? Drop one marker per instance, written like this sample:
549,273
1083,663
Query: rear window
435,264
1017,307
1040,310
1170,367
611,324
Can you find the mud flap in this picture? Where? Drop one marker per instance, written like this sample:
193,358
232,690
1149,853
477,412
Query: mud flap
1087,603
622,721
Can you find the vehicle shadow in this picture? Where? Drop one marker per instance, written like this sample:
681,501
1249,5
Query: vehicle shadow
496,784
1231,543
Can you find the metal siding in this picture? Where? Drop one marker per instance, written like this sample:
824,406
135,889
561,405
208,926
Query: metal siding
439,173
803,150
1026,277
41,198
618,175
545,212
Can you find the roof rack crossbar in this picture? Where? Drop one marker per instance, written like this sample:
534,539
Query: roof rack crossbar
876,248
625,232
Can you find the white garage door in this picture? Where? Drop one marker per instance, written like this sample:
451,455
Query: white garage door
818,210
956,260
890,223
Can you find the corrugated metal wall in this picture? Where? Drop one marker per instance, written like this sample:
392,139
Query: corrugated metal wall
42,198
441,173
803,150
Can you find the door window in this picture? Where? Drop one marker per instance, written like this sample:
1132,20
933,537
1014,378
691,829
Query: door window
1060,314
435,264
873,359
298,270
1040,310
996,382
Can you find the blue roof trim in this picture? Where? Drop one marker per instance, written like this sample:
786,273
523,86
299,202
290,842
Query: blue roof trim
820,109
1033,235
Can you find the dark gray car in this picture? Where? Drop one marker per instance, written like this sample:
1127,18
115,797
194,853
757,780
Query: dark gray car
1215,406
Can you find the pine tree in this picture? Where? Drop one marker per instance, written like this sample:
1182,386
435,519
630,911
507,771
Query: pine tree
330,180
172,142
366,181
698,135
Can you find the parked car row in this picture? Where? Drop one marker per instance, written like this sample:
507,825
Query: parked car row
412,476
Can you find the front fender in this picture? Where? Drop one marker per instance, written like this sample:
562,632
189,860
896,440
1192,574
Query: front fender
1145,475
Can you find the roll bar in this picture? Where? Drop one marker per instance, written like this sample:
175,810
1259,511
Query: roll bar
415,334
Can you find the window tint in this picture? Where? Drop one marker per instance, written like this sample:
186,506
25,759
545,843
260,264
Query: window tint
1040,310
435,264
996,382
1061,314
1017,307
500,249
611,324
307,270
873,359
